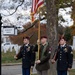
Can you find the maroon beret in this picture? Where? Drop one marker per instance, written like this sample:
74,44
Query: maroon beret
26,37
43,37
62,38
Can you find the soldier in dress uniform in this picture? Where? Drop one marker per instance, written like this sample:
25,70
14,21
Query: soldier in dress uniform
64,57
42,64
27,55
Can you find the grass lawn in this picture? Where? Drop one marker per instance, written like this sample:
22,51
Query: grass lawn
72,72
74,54
9,57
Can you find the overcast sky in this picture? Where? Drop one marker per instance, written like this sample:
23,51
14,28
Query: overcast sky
66,16
26,15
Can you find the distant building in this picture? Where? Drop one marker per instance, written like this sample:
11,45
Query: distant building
4,38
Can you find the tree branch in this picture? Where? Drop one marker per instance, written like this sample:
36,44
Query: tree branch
65,5
33,24
22,1
32,35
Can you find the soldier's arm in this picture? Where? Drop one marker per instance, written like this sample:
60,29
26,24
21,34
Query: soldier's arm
70,57
55,56
35,48
47,57
19,55
33,56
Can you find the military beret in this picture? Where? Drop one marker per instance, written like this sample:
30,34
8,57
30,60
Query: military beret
43,37
26,37
62,37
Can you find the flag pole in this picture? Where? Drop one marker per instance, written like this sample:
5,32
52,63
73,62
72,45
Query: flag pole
38,38
32,17
39,29
32,20
35,6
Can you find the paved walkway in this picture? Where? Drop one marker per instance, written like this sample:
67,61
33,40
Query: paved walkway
13,70
16,69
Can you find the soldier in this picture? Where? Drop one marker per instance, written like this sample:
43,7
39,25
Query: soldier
42,64
64,57
27,55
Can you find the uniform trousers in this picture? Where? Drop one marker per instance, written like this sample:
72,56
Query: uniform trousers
42,72
62,72
25,71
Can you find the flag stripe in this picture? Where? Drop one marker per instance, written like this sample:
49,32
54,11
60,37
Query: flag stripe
35,6
38,5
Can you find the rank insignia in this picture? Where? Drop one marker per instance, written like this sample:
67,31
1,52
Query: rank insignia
28,49
65,49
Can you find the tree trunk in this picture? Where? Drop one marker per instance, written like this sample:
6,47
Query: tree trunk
52,24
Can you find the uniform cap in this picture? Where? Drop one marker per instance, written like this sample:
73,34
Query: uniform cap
26,37
62,38
43,37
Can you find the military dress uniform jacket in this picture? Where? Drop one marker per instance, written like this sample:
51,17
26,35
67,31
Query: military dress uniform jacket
44,65
64,57
27,55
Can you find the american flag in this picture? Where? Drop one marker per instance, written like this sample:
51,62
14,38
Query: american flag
35,6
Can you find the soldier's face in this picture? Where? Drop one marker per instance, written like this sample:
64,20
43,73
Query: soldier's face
62,42
26,41
43,40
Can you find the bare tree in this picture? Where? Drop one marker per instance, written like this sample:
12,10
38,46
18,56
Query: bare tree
52,7
21,3
52,15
